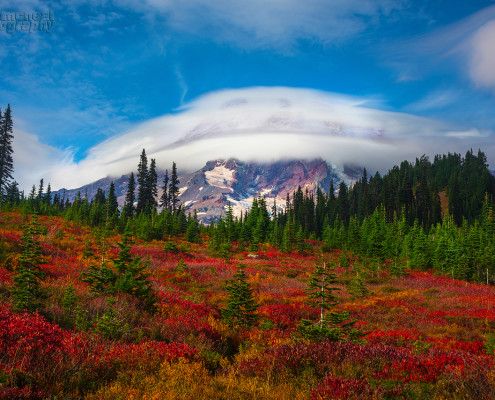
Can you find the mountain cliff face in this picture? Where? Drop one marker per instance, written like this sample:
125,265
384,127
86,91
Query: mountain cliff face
209,190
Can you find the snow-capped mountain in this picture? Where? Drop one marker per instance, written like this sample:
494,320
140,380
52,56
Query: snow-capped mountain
209,190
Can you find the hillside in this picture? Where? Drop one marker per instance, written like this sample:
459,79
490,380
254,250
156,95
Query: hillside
427,336
210,189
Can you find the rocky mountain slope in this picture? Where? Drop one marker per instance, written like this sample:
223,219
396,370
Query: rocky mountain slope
209,190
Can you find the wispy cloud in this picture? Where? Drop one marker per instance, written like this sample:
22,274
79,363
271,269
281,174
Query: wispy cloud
181,81
267,23
268,124
435,100
466,45
482,67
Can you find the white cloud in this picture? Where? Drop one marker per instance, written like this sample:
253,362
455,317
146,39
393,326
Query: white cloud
260,124
34,160
467,44
266,23
436,100
483,56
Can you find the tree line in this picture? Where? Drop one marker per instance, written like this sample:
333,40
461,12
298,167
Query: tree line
143,214
398,216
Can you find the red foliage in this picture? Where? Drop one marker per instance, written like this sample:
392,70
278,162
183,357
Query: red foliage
337,388
287,316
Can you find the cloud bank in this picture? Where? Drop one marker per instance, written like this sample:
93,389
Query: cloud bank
260,124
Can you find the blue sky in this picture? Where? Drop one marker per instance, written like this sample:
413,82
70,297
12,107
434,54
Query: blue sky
108,68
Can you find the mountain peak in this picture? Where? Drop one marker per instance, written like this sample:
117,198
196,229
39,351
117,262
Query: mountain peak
209,190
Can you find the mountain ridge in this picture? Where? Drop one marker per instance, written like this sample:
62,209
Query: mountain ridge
210,189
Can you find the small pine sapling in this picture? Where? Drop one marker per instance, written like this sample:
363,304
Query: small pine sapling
332,326
26,289
241,308
356,287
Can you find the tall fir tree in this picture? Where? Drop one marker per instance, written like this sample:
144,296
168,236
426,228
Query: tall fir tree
152,190
130,197
165,197
173,190
40,191
343,204
6,150
47,198
112,203
142,181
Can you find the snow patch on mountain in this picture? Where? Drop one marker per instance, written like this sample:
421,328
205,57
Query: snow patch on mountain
220,176
240,206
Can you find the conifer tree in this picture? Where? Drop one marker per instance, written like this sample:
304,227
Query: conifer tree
131,275
192,232
229,223
320,290
241,307
331,325
143,183
343,204
286,246
13,195
165,198
26,290
40,191
151,190
47,198
300,244
102,277
6,150
112,203
356,287
130,197
173,191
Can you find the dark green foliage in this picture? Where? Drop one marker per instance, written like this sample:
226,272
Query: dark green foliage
165,198
110,325
13,196
151,183
241,307
225,251
112,205
344,260
130,197
126,275
26,289
320,289
142,181
357,287
69,300
101,278
287,239
300,244
6,150
132,276
173,191
333,326
170,247
192,232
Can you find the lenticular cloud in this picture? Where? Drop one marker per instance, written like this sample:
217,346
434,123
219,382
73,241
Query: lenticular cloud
265,124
